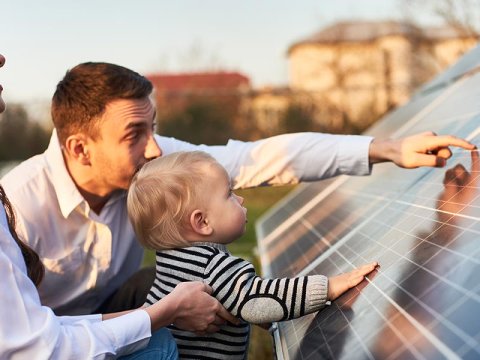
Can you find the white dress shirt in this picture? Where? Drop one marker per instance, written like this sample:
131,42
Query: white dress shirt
29,330
87,256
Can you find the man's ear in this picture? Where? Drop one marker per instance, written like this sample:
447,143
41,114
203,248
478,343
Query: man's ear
76,147
200,223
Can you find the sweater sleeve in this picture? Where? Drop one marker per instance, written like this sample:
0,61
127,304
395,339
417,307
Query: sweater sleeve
256,300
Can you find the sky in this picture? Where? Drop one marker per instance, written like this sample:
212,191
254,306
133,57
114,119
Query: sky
42,39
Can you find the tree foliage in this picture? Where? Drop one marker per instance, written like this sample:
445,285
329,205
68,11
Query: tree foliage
20,137
201,121
462,15
297,118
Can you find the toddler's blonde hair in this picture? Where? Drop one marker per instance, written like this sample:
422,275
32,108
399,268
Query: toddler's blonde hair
162,195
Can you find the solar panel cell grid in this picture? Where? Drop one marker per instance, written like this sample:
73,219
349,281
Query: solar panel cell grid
423,271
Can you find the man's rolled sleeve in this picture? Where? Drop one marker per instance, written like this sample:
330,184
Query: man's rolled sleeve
353,158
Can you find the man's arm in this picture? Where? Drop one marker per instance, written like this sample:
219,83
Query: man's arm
285,159
291,158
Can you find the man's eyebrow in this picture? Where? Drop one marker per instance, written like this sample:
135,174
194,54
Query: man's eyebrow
134,125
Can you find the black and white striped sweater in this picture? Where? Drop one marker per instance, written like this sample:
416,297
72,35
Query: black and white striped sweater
239,290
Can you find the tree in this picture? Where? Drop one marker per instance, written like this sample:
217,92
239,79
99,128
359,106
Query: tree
201,121
298,118
462,15
20,138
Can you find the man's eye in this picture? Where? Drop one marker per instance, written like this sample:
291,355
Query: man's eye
133,135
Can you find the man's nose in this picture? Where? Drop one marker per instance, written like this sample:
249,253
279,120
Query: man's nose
152,150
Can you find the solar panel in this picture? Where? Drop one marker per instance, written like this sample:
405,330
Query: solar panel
422,225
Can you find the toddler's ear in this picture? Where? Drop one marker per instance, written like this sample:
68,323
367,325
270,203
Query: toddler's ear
200,223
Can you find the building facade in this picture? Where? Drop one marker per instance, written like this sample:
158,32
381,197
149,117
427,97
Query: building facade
362,69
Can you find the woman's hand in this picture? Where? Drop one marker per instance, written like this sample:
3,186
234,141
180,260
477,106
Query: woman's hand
190,307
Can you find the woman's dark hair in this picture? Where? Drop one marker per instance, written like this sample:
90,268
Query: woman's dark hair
35,268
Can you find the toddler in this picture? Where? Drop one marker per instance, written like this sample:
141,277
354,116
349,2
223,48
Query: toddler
182,205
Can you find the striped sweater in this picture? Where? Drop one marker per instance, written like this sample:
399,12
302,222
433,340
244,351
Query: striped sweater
239,290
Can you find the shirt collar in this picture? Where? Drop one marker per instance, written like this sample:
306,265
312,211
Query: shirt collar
67,193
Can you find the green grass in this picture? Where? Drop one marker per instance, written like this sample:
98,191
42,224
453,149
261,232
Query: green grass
257,201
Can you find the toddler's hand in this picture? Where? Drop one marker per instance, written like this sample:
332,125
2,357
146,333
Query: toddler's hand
337,285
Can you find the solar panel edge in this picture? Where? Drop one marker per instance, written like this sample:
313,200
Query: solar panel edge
298,189
451,74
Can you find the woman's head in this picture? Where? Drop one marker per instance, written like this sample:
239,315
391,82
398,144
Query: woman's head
35,267
2,103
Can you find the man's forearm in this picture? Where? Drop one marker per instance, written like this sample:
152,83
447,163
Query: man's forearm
424,149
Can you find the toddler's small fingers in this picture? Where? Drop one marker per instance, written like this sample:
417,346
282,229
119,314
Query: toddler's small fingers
356,279
365,269
370,267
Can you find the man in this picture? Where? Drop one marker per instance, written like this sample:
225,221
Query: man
30,330
71,202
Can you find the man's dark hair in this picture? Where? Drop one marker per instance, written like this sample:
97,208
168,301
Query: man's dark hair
82,95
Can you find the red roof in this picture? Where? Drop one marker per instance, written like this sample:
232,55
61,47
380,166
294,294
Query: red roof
199,81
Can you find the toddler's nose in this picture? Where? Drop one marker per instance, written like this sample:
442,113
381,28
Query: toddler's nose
239,199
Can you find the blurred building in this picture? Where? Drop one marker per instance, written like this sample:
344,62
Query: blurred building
364,68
